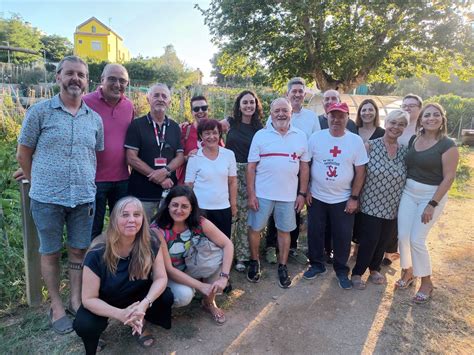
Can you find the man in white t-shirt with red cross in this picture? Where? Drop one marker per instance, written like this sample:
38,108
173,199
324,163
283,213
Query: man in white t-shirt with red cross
337,176
276,156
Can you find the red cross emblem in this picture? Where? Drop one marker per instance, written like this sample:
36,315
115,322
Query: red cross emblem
335,151
294,156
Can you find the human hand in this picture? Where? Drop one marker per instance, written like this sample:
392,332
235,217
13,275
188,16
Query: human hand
18,175
427,214
192,153
299,203
158,176
167,183
206,289
309,199
219,285
252,202
351,206
135,319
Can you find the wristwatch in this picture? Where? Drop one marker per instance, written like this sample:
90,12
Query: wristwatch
354,197
168,170
150,303
433,203
223,274
304,194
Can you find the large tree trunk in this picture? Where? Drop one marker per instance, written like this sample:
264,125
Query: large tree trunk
326,82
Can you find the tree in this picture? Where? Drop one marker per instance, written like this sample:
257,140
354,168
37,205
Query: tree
343,43
19,34
56,47
238,70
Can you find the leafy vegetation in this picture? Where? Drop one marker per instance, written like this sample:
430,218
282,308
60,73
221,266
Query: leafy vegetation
342,44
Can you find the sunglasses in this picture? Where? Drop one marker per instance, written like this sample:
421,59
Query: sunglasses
202,108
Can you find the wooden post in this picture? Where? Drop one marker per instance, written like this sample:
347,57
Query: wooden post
30,249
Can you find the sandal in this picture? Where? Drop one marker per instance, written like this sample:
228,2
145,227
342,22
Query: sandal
101,345
216,312
142,339
62,325
71,310
357,282
404,284
377,278
422,297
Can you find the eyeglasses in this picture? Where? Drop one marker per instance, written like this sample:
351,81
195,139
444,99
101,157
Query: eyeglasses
202,108
114,80
409,106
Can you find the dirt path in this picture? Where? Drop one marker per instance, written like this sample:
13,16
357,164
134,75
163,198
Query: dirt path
311,317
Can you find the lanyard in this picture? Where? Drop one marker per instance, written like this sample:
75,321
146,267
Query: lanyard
160,138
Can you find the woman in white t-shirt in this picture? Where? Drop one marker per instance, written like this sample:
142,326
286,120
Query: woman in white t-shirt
212,173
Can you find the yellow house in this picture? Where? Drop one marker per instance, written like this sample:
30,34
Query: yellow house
94,40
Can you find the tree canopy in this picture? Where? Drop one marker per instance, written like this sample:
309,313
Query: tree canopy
56,47
20,34
343,43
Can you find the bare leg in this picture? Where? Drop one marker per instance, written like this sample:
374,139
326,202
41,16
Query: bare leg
254,244
50,272
426,285
76,256
284,241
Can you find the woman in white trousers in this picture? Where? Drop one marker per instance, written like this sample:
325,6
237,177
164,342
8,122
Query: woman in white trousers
431,163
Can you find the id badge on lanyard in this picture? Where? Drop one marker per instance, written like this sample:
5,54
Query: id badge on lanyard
160,141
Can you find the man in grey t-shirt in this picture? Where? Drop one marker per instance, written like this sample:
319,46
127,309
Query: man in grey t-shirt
57,153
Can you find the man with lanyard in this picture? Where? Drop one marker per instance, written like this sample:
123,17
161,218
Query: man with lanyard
117,113
154,150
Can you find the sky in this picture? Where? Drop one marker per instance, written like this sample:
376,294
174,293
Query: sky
146,26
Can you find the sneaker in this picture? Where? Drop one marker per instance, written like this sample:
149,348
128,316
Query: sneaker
240,266
298,256
314,271
344,282
271,255
284,280
253,273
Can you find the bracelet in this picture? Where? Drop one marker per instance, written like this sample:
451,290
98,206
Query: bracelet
304,194
354,197
223,274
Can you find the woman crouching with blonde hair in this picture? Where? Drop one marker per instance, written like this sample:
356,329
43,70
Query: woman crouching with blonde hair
124,279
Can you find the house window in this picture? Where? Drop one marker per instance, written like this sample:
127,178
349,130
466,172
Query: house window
94,29
96,46
80,41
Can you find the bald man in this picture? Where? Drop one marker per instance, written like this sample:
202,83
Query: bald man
330,97
117,113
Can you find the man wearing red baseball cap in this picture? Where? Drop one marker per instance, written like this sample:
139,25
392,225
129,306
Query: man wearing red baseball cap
337,176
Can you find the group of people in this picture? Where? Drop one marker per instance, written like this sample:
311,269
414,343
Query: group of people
194,203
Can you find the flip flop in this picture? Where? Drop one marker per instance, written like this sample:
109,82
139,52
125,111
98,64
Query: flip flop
102,344
377,279
62,325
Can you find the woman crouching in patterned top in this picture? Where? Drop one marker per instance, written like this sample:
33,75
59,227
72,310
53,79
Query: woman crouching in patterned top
380,197
180,226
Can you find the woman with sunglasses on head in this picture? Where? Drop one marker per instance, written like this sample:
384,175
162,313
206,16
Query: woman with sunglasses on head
124,279
246,121
431,162
178,223
368,126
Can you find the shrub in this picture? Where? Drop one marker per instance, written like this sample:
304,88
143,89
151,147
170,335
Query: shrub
457,109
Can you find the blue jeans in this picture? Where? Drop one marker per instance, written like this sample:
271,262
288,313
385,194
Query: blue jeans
319,214
108,193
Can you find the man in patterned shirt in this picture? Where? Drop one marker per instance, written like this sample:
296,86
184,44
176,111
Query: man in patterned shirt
57,153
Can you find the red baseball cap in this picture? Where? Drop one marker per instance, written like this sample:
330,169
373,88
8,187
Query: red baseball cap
338,106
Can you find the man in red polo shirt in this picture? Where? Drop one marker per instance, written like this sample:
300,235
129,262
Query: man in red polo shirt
117,113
